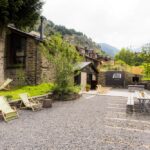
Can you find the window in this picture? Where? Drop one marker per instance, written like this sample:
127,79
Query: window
16,50
117,76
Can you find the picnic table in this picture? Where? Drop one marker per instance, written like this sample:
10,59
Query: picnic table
143,97
133,88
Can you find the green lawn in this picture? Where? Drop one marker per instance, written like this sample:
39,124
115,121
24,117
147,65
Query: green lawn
32,90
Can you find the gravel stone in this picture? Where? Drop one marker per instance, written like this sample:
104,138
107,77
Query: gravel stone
90,123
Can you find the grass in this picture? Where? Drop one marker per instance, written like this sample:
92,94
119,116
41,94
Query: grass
41,89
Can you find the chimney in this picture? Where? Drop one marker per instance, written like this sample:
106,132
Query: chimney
42,27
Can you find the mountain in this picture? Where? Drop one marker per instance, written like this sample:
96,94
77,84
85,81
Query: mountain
71,35
108,49
139,49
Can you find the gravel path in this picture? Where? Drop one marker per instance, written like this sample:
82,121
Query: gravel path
90,123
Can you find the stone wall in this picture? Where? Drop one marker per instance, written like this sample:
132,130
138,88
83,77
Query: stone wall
31,60
37,68
47,71
129,77
27,75
148,85
18,75
2,47
102,78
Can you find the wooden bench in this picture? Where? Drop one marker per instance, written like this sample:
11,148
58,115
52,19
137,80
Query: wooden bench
130,101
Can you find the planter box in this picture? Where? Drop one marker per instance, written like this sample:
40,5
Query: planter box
47,103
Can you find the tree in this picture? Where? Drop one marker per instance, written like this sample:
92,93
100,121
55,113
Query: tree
63,56
21,13
146,53
146,56
146,70
129,57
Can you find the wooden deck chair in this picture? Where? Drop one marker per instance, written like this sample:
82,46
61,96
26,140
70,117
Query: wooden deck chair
102,89
5,84
7,111
29,102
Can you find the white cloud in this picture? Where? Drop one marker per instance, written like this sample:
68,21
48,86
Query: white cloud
118,22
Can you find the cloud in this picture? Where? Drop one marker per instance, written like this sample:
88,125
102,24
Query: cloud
118,22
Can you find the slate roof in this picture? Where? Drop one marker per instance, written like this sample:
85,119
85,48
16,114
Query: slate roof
32,34
82,65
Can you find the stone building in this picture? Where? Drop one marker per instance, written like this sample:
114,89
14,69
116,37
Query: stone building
21,59
119,78
90,70
88,75
90,56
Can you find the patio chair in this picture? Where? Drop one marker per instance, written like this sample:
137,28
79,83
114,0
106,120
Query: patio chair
6,110
5,84
28,102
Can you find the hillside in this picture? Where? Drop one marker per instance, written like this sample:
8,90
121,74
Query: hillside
72,36
108,49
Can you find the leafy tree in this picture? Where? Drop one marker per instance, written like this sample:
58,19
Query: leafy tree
63,56
125,55
146,53
130,57
146,70
146,56
21,13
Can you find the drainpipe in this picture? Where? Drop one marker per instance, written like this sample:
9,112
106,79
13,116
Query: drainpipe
37,43
42,28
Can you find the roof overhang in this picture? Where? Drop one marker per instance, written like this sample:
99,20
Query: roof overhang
83,65
24,33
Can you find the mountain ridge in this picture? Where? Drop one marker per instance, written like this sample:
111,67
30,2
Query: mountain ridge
109,49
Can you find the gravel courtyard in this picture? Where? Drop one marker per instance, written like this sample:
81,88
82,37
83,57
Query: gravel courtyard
90,123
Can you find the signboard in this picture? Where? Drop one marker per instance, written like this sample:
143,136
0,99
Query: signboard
116,76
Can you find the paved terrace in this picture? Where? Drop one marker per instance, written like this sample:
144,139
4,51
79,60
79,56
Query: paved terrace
90,123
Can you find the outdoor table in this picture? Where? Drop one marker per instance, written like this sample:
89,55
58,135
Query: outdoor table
142,99
133,88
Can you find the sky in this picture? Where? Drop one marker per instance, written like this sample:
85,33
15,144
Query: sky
120,23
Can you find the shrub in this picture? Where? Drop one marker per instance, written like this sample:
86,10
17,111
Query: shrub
88,87
63,56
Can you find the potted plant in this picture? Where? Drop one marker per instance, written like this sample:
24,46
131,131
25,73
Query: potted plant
88,87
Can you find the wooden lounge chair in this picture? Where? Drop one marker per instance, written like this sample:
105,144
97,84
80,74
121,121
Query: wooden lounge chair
29,102
7,112
102,89
5,84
